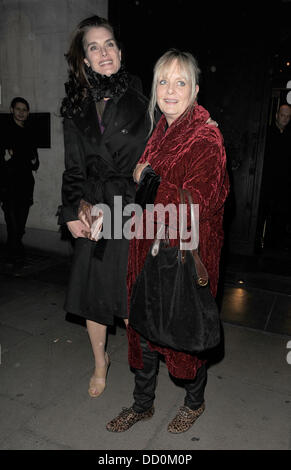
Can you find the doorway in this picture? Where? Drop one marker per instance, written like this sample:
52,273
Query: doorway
274,220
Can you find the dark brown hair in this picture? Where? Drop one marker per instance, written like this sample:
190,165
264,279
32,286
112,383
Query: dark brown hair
76,54
77,85
19,99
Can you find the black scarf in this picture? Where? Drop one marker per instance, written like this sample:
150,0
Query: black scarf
79,98
102,86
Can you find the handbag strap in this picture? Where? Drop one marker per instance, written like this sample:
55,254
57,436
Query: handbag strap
202,274
183,219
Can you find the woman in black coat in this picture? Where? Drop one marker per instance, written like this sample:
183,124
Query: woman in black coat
105,132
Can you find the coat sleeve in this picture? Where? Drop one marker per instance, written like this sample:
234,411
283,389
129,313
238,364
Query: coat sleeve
206,177
202,172
74,176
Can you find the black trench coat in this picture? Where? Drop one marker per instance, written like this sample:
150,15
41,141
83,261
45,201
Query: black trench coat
99,166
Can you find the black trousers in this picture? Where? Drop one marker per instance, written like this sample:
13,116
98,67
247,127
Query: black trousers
15,214
146,379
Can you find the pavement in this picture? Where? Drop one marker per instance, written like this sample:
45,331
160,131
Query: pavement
46,364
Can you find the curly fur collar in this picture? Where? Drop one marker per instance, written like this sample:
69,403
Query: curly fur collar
102,86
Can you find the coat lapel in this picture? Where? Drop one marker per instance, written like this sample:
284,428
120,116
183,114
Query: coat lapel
88,124
117,116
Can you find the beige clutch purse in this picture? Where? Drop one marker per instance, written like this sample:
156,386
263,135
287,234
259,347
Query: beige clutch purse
92,218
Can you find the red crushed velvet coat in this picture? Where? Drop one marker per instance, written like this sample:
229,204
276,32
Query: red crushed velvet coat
190,154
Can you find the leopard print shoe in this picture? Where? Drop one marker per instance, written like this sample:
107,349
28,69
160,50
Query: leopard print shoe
127,418
184,419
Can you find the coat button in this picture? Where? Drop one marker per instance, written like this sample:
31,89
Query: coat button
124,131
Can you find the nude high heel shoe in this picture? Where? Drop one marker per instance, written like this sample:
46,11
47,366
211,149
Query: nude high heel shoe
98,380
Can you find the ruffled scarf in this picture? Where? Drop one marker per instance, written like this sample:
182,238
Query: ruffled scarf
100,86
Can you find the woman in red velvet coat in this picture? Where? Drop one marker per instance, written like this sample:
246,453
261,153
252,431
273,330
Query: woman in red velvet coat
183,151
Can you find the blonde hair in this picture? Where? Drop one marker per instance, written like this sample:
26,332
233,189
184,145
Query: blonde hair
188,64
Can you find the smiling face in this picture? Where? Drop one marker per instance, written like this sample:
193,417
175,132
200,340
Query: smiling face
20,113
174,91
101,51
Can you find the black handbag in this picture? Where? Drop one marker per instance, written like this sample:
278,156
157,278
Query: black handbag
171,303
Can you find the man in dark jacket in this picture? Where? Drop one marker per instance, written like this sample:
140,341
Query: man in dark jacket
19,158
276,195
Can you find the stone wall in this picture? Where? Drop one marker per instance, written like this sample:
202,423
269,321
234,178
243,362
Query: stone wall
34,36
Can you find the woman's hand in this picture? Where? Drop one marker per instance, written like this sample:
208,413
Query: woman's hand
78,229
138,171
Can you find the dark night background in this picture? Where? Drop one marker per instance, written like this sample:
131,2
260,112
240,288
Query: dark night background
243,49
217,33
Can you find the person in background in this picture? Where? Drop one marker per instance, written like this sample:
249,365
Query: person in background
283,117
276,183
183,152
18,145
